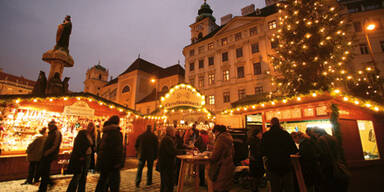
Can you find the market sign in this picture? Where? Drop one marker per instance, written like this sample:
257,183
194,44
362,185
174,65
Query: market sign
182,95
79,108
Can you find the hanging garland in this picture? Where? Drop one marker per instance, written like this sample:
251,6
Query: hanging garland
336,129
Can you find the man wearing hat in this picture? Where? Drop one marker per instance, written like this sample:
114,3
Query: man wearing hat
50,152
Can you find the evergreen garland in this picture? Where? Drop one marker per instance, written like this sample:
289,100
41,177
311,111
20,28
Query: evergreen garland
336,129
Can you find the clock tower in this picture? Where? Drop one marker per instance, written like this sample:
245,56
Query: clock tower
205,23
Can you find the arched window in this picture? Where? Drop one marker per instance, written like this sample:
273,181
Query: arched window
126,89
164,89
100,76
200,36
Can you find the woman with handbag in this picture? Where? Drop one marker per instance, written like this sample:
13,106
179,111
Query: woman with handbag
221,163
80,159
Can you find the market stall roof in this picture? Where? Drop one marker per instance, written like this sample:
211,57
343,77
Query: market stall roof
257,103
6,99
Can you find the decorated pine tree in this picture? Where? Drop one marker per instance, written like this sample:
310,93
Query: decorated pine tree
313,48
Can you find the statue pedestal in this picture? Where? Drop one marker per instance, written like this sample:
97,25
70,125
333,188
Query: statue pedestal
58,60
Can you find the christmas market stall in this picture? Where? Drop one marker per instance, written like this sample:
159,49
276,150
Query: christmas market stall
22,116
357,124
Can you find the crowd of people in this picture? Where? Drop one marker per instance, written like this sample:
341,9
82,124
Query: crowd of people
270,153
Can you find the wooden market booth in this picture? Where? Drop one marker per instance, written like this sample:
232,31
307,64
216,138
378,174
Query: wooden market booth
361,125
23,115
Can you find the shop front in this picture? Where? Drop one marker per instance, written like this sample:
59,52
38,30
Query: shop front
22,116
360,125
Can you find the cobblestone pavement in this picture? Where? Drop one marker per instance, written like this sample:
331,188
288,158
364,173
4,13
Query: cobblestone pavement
127,184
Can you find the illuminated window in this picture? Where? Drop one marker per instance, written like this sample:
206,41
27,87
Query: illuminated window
363,49
226,75
224,56
211,99
224,41
210,46
253,31
237,36
211,61
272,25
226,97
239,52
368,139
255,47
211,79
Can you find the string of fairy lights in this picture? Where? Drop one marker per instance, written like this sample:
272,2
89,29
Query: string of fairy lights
313,36
336,94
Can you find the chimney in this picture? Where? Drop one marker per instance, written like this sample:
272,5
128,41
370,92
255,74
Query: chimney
226,19
248,10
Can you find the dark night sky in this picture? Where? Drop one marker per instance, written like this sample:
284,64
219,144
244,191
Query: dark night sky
114,32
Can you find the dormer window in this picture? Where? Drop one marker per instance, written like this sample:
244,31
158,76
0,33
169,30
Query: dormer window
126,89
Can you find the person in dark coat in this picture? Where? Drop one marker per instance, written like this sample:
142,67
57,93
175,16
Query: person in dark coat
50,152
146,149
180,151
277,145
222,154
334,173
256,168
167,160
34,154
309,160
80,160
110,156
201,144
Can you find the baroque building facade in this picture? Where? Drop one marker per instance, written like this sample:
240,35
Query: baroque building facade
230,61
138,87
14,85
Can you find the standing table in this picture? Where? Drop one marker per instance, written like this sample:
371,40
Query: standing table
193,160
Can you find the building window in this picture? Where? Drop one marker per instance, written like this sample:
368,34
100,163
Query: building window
164,89
201,49
192,52
239,52
201,82
224,56
240,72
257,68
241,93
192,81
148,110
238,36
211,99
224,41
211,79
226,97
255,48
364,49
253,31
382,45
368,139
258,90
126,89
210,46
357,26
226,75
201,64
274,43
272,25
191,66
99,76
211,61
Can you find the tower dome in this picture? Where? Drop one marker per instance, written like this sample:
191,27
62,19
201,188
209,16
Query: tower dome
205,11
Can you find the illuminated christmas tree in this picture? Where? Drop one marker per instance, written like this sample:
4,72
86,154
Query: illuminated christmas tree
313,47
